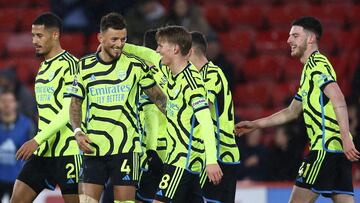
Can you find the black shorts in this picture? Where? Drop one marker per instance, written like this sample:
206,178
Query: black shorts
326,173
119,169
179,185
223,192
47,172
148,185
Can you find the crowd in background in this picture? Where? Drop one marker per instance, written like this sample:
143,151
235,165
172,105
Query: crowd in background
268,155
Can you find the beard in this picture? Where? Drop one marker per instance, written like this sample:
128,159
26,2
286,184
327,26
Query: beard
110,54
300,50
39,54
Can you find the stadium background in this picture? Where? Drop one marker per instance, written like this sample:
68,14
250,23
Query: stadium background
246,37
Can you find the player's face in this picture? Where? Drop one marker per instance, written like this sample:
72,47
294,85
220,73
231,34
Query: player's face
42,39
297,41
165,49
8,103
112,42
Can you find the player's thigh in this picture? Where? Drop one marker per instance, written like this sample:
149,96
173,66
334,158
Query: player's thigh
22,193
33,178
342,198
302,195
66,173
124,193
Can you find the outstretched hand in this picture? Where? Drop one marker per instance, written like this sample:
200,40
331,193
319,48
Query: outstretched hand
350,151
245,127
26,150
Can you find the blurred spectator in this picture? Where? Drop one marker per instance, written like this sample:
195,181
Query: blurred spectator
284,156
85,15
74,13
215,55
253,158
187,14
26,100
147,14
15,129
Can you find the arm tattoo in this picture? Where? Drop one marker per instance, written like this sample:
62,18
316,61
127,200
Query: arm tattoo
157,97
75,112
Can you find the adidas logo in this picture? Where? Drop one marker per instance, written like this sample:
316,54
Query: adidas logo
126,177
159,193
92,78
300,179
70,181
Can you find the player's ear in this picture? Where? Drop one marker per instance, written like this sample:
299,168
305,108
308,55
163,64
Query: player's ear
56,35
100,37
176,48
312,38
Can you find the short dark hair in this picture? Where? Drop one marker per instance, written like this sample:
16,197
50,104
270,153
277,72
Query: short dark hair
150,39
176,35
311,24
112,20
199,42
49,20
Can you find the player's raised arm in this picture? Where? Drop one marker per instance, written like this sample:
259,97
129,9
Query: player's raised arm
283,116
145,53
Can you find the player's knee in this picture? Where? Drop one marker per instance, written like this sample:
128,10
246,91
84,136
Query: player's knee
126,201
87,199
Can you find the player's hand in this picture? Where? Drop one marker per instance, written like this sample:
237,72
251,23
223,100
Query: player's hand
26,150
83,142
214,173
154,162
349,150
245,127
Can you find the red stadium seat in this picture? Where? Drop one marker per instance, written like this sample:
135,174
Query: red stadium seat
20,45
216,15
3,39
93,43
236,41
28,15
283,92
264,68
40,3
6,63
272,42
252,94
292,70
252,113
74,43
9,19
27,68
246,16
282,16
14,3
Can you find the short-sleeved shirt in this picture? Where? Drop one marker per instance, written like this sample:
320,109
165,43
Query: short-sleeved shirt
112,89
320,119
54,77
186,95
222,112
